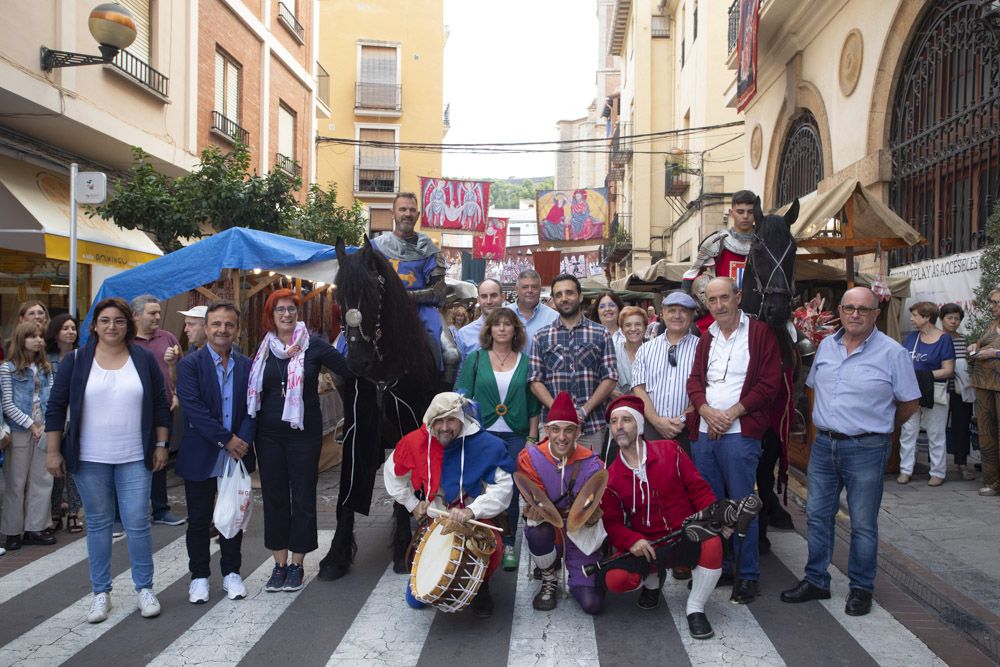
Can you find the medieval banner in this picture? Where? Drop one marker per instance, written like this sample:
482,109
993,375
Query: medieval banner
493,242
572,215
454,205
746,72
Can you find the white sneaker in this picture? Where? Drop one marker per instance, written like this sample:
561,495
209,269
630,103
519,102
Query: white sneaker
148,605
2,551
99,608
232,583
198,591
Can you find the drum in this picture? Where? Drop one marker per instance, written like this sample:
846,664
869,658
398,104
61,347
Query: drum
448,569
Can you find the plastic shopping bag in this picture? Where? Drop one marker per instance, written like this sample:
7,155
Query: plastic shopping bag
234,503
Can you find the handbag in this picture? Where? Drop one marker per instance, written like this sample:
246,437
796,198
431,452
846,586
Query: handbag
940,393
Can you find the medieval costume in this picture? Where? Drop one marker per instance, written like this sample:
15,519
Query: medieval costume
721,254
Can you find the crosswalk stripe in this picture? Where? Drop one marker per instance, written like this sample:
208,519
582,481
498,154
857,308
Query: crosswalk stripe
226,633
563,636
738,639
45,567
885,639
60,637
386,631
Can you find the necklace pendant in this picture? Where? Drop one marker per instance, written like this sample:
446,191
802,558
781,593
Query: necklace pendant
283,390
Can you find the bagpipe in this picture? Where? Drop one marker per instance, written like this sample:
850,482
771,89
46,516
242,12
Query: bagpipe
735,515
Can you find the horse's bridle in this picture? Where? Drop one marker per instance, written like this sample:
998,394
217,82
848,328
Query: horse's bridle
766,289
353,319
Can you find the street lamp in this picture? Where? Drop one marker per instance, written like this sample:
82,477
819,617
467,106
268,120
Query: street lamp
111,24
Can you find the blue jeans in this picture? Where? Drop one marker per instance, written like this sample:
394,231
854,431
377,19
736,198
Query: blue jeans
858,464
98,483
729,465
515,443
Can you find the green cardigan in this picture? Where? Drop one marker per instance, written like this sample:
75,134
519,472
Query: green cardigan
521,403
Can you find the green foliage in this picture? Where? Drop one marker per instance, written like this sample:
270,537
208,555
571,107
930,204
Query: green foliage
506,194
323,220
989,265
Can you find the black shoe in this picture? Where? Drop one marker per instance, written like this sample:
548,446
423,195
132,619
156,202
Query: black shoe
482,604
649,598
859,602
803,592
399,566
780,519
744,592
699,627
12,543
41,539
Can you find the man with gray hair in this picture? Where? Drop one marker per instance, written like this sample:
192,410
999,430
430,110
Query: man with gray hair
864,388
530,311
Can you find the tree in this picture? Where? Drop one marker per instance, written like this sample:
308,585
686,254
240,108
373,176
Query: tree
323,220
989,264
507,193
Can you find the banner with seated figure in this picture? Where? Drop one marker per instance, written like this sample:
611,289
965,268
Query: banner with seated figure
572,215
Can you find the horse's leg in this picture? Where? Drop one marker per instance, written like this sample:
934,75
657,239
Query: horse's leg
401,537
339,558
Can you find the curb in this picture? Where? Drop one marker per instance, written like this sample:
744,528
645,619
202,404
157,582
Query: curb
955,609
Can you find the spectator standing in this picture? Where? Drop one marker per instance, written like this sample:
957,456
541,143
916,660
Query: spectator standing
661,370
194,327
933,354
864,388
111,452
575,355
283,395
632,325
734,379
496,377
490,298
26,380
985,354
654,321
456,318
61,338
533,314
961,395
605,310
163,345
30,311
211,386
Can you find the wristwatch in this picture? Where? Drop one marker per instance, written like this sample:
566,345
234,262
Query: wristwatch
683,419
161,445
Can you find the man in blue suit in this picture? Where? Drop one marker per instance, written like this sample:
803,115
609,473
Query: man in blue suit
212,389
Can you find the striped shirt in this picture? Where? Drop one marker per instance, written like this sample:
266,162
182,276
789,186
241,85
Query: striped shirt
665,384
576,361
961,352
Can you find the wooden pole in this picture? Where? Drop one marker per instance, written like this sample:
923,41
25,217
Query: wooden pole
849,235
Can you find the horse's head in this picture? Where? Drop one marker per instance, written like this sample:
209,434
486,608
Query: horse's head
768,283
361,286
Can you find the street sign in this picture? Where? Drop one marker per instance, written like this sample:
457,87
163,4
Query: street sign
91,187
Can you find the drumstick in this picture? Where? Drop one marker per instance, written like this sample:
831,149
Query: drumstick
433,511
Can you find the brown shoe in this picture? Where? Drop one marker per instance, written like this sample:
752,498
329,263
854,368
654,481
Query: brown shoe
985,491
967,473
935,481
903,479
545,599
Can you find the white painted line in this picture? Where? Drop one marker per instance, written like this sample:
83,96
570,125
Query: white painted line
226,633
561,637
738,640
47,566
62,636
885,639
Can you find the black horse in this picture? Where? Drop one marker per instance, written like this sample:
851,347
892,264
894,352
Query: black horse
396,378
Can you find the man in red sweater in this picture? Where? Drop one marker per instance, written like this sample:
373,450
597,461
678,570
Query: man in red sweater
733,384
652,487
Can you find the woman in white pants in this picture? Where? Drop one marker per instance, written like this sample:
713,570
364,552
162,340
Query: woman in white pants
933,352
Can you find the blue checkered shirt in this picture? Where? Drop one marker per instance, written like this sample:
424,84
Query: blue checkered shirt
574,360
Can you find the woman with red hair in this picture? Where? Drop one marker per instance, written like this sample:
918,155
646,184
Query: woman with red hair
283,393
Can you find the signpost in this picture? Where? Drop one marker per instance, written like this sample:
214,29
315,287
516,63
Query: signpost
85,187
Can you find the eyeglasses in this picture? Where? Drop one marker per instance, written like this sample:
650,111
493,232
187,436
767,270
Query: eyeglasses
291,310
672,355
107,321
607,306
863,311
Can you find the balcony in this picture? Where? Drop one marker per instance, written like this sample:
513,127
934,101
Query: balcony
734,26
287,165
621,145
228,129
619,243
140,72
286,17
375,180
378,97
322,85
676,181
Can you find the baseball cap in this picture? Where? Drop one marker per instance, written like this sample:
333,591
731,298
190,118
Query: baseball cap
680,299
197,311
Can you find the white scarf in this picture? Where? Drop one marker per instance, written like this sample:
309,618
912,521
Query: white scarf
294,411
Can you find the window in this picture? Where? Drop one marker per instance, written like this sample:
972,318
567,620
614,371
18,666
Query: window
380,219
801,167
141,48
378,78
135,61
285,159
377,169
227,87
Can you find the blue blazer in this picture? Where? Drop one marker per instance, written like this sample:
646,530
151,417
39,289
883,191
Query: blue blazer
71,384
201,401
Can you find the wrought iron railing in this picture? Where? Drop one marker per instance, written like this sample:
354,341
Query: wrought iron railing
675,180
734,26
375,179
621,144
322,84
287,17
140,71
378,96
287,165
229,128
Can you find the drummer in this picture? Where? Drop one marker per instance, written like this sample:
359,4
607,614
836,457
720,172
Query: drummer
560,468
652,487
452,465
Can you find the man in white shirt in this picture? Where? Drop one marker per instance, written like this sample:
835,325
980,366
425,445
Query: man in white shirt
490,298
530,311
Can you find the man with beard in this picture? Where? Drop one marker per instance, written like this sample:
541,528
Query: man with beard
652,487
533,315
560,468
575,355
418,263
452,465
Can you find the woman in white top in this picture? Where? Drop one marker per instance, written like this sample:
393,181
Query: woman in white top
632,324
115,437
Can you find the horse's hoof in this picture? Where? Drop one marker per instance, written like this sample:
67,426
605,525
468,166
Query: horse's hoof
399,567
332,572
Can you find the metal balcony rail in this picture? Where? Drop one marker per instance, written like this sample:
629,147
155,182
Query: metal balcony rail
734,26
621,144
229,128
375,179
287,165
140,72
322,84
378,96
287,16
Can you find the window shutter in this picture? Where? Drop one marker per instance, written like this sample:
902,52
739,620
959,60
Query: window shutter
232,91
141,47
286,132
220,83
377,157
380,219
378,64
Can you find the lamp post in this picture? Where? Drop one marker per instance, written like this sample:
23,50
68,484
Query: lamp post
111,24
